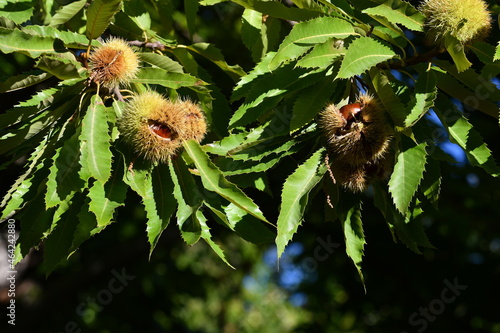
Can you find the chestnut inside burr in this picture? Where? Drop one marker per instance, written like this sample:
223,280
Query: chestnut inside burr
162,130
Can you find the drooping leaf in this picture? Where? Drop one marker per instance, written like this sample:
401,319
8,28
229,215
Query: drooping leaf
191,10
99,15
497,52
387,96
69,38
189,201
247,226
431,183
451,86
251,33
60,67
213,180
66,13
399,11
57,245
23,81
95,138
407,174
306,34
35,222
310,102
361,55
26,182
422,100
457,52
33,46
172,80
464,134
163,192
106,197
483,87
64,180
353,232
294,197
162,62
207,237
41,99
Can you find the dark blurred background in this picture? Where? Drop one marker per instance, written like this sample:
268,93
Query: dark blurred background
110,284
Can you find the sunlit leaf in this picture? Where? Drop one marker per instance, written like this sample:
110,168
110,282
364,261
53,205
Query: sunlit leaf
294,197
422,100
306,34
172,80
407,174
213,180
96,156
99,15
65,13
361,55
399,11
464,134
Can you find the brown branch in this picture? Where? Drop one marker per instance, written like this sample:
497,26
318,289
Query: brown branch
153,45
425,57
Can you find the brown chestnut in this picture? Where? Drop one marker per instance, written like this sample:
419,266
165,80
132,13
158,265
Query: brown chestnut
350,110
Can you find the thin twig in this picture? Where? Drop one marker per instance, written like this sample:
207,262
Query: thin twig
149,45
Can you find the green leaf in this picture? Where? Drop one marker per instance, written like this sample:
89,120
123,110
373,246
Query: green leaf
64,180
99,15
251,33
399,11
464,134
213,180
213,54
172,80
322,55
306,34
66,13
138,13
25,43
454,88
295,195
431,183
70,39
23,81
58,244
35,222
497,52
407,174
60,67
191,10
248,227
15,196
162,62
387,96
95,138
457,51
18,11
41,99
269,90
353,232
207,237
189,200
310,102
276,9
422,99
362,54
163,189
106,197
